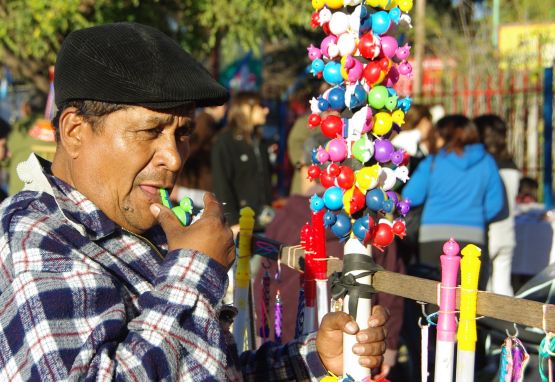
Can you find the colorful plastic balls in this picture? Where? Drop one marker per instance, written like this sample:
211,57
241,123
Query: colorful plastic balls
339,23
377,97
333,169
333,198
387,179
363,149
383,235
391,103
397,157
329,219
316,203
388,206
403,52
392,77
346,178
318,4
382,123
405,5
398,117
326,179
336,98
373,73
369,46
355,96
403,207
361,121
367,177
323,104
404,104
342,226
389,46
375,199
332,73
337,149
353,201
322,155
392,195
351,69
362,228
313,172
313,52
314,120
380,22
317,66
405,69
347,44
332,126
324,45
399,228
334,4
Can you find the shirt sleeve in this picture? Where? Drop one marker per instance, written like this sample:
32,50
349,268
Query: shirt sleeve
296,361
64,317
417,186
495,197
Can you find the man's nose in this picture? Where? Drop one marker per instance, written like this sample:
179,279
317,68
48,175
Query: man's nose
168,155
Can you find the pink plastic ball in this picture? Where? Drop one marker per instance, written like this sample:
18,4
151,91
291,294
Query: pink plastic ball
389,46
337,149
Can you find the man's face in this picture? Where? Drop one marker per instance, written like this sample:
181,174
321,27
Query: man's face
122,167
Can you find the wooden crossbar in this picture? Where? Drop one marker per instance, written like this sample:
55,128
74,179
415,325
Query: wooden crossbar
511,309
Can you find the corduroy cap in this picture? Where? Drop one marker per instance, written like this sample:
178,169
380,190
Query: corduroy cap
131,63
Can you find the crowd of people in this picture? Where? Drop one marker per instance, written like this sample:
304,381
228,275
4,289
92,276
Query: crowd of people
464,184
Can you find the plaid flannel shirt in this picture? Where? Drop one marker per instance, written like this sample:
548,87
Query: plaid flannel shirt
83,299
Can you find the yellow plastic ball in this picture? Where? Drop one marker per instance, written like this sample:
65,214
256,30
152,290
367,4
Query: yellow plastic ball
392,4
318,4
405,5
334,4
329,378
382,123
347,200
367,178
374,3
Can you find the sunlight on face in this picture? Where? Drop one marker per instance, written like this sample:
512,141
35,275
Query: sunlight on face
123,166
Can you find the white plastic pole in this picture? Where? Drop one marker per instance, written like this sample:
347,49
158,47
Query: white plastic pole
350,360
322,299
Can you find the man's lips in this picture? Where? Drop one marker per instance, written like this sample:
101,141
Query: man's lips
152,192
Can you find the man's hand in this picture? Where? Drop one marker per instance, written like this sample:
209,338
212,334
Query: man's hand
370,342
210,234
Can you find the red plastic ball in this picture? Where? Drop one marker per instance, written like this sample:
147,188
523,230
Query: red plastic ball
315,22
383,235
399,228
334,170
346,178
373,73
332,126
313,172
358,202
368,47
326,28
314,120
326,179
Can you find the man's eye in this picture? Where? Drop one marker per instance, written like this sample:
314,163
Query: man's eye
184,131
154,131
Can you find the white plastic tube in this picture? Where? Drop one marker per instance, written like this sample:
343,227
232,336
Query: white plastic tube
322,299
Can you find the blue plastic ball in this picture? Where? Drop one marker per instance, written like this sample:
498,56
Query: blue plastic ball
388,206
360,228
332,73
336,98
380,22
375,199
333,198
323,104
342,226
358,98
395,15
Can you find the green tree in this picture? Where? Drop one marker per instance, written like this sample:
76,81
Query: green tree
32,31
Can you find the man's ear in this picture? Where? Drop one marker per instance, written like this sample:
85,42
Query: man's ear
72,129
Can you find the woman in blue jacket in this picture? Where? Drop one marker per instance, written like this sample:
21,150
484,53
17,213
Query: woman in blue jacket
460,189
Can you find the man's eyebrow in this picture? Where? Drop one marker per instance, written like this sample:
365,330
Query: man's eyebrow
159,120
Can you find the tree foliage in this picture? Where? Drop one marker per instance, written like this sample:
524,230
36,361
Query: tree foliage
32,31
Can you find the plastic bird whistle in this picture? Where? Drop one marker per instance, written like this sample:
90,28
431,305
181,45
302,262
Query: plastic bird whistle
183,212
470,270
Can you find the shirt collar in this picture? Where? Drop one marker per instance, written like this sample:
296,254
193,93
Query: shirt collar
82,213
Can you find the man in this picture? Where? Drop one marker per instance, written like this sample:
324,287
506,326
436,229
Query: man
99,280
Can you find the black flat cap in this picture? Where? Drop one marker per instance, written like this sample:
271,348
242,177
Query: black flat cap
134,64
